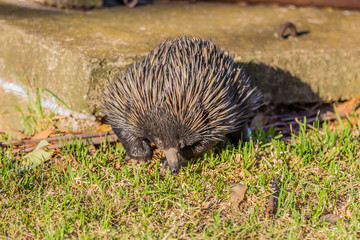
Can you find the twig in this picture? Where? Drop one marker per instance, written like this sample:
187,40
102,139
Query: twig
293,119
56,139
56,142
94,141
272,204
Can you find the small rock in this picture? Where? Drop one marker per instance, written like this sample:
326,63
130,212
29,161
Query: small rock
237,195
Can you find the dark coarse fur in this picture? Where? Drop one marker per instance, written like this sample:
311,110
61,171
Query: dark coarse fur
185,96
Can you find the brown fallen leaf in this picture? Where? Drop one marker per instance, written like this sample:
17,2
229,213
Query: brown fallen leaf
351,120
330,218
116,165
349,106
103,127
43,134
237,195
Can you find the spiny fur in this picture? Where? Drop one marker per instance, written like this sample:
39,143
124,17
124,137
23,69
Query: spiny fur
186,90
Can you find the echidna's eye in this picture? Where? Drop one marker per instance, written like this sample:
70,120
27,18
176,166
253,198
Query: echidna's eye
159,143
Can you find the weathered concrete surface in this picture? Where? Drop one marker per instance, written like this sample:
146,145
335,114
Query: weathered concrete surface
77,4
72,53
9,115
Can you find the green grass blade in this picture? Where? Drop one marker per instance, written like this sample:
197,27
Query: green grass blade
38,102
339,118
57,98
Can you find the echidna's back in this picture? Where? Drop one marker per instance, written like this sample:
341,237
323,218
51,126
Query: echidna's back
191,82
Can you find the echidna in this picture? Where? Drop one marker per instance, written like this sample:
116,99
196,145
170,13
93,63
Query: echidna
185,96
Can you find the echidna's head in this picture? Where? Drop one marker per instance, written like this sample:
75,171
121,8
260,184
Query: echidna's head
174,139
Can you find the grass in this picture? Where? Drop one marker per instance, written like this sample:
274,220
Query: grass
34,116
91,193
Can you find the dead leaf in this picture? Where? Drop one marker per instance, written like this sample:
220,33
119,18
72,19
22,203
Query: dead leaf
330,218
116,165
103,127
36,157
352,120
237,195
349,106
43,134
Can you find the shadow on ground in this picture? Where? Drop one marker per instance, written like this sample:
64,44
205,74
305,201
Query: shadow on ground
279,86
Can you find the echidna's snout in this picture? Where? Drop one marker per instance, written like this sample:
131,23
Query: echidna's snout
173,160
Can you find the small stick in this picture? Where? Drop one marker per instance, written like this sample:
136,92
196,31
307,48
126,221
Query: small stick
56,139
284,27
57,145
272,204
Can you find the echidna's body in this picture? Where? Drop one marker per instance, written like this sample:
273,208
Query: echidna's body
185,96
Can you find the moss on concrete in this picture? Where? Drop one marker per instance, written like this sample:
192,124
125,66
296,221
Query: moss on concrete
72,53
98,80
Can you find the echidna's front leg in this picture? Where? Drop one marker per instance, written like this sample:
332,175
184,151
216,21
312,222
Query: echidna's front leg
136,148
196,149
